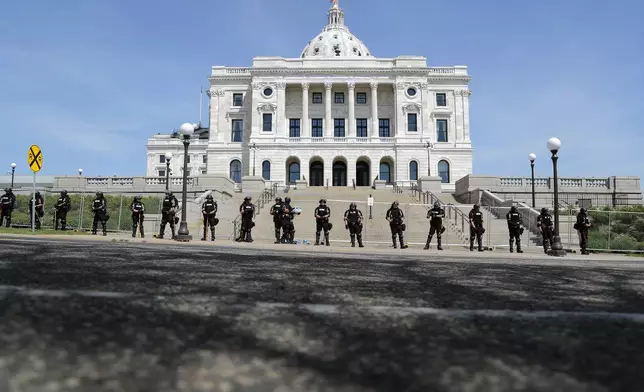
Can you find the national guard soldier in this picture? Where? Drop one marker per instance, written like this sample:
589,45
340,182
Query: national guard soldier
546,227
476,227
40,209
322,214
582,226
99,208
209,212
435,216
247,211
396,218
62,207
138,211
292,211
353,222
7,202
276,210
288,228
168,212
515,228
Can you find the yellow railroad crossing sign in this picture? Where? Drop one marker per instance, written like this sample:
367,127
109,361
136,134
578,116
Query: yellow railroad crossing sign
35,158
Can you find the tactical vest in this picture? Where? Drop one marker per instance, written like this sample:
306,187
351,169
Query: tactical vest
514,219
477,217
5,200
98,203
546,220
137,207
168,203
247,209
396,216
353,216
436,215
209,206
322,211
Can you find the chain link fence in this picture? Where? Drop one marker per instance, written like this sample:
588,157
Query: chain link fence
80,217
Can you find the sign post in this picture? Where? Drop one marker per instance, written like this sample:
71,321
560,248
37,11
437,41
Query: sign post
370,204
34,158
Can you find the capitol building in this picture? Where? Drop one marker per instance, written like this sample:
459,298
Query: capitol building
336,115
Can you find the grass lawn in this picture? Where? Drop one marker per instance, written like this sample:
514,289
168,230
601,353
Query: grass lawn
12,230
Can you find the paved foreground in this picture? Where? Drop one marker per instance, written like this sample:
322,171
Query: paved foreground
92,316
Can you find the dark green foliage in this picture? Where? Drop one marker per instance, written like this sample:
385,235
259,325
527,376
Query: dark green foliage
617,228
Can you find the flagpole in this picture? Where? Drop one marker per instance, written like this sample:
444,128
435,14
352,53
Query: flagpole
200,104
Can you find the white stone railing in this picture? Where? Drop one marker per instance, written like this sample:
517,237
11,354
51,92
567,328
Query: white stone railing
546,182
330,140
442,70
237,70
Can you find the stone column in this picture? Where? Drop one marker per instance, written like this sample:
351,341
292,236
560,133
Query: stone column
374,109
281,109
351,128
466,116
328,121
426,103
458,113
304,122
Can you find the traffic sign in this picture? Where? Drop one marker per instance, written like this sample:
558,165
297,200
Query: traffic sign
35,158
370,201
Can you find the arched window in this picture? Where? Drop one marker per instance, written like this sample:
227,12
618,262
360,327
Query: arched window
266,170
413,170
385,172
293,172
443,171
235,171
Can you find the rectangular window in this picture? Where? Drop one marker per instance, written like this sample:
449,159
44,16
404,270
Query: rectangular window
204,159
267,119
238,99
316,127
316,97
339,97
338,127
383,127
361,98
441,130
162,158
361,127
294,127
161,173
441,99
412,125
204,172
238,131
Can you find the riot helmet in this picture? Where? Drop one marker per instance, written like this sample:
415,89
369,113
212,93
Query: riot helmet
7,190
353,206
63,192
437,204
323,201
287,200
137,198
394,204
209,197
582,210
513,209
544,211
99,194
477,206
247,198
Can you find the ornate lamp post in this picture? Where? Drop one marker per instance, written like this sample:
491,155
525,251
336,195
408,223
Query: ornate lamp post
428,145
254,147
183,234
13,172
554,145
80,172
168,157
533,157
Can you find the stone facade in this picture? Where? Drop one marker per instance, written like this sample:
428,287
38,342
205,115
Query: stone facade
336,114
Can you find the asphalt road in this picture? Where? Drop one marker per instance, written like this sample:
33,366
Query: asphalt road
80,316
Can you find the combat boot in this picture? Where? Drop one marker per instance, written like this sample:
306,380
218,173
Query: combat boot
519,247
429,240
353,240
134,232
277,236
511,246
204,234
173,232
393,239
471,244
360,241
402,241
212,234
438,246
249,237
317,238
326,239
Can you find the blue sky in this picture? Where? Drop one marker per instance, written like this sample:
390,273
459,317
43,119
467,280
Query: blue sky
90,80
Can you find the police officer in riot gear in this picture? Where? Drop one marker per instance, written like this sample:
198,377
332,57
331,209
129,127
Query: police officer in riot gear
40,209
286,222
62,207
99,208
209,212
247,211
291,229
546,227
396,218
276,211
138,211
515,228
168,212
582,226
435,216
476,227
7,202
353,222
322,215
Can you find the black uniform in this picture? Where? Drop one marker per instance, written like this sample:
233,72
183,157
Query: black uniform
247,211
353,220
515,228
546,226
209,212
476,227
276,211
322,214
138,216
288,228
582,226
7,202
168,212
396,218
99,208
435,215
62,207
40,209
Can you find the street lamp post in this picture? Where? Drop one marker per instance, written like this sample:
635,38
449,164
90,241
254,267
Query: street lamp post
533,157
13,172
254,147
554,145
429,145
80,172
183,234
168,157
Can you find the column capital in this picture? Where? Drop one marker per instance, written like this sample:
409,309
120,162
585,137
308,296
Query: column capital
280,85
374,85
328,85
216,93
306,85
351,85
